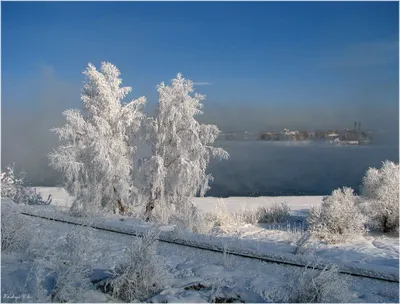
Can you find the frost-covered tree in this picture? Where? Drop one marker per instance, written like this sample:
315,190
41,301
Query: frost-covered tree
181,149
97,158
380,189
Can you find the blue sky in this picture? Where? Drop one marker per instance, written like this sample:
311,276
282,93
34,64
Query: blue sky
308,57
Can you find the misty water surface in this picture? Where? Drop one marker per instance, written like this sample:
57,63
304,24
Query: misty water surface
269,168
279,168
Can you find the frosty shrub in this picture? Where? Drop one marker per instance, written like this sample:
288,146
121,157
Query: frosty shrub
221,217
97,159
140,274
36,198
15,229
276,214
11,186
315,286
190,218
380,191
62,273
338,218
14,188
181,149
248,216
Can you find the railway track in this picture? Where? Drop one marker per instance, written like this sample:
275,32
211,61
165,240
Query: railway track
214,244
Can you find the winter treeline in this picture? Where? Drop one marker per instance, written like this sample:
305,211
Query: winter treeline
97,158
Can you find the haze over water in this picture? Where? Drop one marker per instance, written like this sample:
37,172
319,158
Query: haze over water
278,168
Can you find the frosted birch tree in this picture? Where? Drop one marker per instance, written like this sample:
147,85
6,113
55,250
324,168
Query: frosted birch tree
181,148
97,157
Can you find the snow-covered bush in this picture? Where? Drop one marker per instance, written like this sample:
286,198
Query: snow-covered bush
36,198
315,286
97,159
62,273
276,214
380,191
11,186
14,188
181,149
140,274
338,218
190,218
248,216
221,217
15,229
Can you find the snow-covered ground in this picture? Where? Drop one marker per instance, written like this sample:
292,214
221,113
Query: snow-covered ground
252,280
298,204
377,249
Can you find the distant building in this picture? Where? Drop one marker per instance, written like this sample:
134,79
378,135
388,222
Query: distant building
332,135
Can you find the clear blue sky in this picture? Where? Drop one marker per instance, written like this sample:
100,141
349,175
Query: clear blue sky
261,54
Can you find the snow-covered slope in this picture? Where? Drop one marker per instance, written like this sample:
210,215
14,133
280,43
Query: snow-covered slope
377,250
219,273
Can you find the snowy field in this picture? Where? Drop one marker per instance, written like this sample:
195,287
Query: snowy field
377,250
219,275
298,204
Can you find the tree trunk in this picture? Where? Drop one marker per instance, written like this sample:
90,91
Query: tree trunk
149,209
151,204
385,225
121,207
